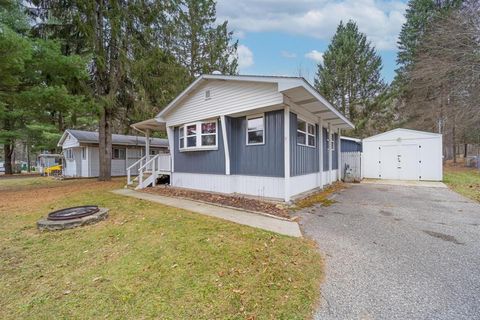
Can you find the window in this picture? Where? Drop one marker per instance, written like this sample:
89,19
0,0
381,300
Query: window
84,153
255,130
305,133
332,142
68,153
118,154
199,135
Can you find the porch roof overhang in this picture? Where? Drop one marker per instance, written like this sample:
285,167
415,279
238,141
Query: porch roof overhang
150,124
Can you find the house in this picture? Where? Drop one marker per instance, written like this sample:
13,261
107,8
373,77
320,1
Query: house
266,136
81,156
351,144
403,154
46,160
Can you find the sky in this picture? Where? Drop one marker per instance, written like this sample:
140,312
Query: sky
288,37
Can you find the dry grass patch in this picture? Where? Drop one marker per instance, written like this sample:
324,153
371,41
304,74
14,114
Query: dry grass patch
321,197
465,181
146,261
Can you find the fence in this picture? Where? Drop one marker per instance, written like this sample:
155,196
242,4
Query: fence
351,166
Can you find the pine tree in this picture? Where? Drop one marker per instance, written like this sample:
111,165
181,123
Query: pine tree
199,44
34,83
349,76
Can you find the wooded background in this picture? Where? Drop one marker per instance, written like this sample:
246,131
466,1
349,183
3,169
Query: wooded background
105,64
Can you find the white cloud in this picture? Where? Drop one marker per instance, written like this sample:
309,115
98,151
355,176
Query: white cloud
315,55
381,20
288,55
238,34
245,57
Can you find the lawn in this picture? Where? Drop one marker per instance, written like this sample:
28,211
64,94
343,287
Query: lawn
465,181
145,261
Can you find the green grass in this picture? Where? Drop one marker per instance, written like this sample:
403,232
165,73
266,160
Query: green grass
146,261
7,183
464,181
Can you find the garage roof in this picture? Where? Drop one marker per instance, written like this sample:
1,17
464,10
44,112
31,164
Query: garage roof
117,139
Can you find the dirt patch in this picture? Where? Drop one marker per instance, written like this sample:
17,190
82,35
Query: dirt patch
444,237
226,200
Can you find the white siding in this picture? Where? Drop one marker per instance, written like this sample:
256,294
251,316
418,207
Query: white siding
267,187
119,167
70,142
94,167
226,97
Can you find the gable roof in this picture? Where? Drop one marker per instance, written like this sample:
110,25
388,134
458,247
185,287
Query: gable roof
92,137
399,130
308,98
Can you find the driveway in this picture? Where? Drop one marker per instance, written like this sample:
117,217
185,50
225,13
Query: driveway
398,252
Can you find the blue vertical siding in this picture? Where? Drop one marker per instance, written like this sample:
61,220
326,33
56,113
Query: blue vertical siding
303,159
257,160
351,146
208,161
325,149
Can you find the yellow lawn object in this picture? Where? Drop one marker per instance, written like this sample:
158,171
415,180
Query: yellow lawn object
53,169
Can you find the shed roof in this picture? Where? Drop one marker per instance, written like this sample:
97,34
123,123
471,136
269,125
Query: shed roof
402,133
117,139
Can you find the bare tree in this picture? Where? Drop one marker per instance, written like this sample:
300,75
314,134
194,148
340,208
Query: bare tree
444,80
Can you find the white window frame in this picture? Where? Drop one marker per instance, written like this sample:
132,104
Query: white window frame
307,134
198,136
119,153
254,116
68,154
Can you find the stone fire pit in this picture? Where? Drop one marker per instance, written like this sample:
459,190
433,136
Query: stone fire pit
72,217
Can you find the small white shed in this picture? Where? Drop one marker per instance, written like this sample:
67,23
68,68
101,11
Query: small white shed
403,154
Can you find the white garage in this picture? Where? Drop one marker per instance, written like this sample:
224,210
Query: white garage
403,154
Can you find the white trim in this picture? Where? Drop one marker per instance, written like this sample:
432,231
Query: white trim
330,158
171,144
306,133
225,145
339,156
286,148
351,139
253,116
198,136
320,145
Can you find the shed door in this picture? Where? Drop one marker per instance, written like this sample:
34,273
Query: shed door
399,162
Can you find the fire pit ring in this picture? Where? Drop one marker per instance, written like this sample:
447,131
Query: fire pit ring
73,217
72,213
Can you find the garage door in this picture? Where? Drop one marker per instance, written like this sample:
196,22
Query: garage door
399,162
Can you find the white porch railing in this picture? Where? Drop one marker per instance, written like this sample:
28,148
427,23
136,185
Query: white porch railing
150,168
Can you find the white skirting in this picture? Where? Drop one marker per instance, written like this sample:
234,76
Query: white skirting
269,187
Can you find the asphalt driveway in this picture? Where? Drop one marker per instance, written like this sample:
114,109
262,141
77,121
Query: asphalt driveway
398,252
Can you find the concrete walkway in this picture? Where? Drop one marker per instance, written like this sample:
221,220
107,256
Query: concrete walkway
289,228
406,183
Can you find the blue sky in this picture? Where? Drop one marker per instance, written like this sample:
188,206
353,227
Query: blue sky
282,37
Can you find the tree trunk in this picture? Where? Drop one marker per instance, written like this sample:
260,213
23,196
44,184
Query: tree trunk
454,146
105,147
465,151
8,151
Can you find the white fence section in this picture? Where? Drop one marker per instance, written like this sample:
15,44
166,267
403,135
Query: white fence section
351,166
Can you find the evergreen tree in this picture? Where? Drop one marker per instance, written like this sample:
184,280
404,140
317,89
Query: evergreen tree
199,44
349,76
34,83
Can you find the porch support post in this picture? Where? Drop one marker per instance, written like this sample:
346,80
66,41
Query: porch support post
286,155
330,137
147,144
339,156
320,150
225,145
171,149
